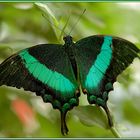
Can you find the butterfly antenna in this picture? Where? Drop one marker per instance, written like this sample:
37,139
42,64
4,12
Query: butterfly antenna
63,29
77,21
52,23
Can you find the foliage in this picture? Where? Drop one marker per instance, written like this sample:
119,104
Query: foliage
26,24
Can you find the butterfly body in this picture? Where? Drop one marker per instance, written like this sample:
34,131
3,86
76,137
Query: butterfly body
56,72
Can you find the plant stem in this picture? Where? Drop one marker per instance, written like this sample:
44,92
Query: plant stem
115,132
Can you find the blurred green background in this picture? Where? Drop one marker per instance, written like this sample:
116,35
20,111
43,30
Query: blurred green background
23,25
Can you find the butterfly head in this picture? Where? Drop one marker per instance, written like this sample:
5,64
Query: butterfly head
68,39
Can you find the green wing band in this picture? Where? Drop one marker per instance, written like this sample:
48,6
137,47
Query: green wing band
101,64
51,78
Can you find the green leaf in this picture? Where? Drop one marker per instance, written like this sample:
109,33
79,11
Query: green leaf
128,111
45,8
5,50
50,16
91,116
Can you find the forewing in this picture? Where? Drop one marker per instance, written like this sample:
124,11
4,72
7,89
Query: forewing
86,51
124,53
101,59
44,69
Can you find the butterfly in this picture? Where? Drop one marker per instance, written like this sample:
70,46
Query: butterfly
57,72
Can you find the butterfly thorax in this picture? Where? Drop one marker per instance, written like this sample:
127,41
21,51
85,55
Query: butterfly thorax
68,46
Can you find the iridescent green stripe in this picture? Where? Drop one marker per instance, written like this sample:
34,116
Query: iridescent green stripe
101,64
51,78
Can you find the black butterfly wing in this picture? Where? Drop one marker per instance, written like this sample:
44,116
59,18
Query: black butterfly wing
86,54
124,53
46,70
100,60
